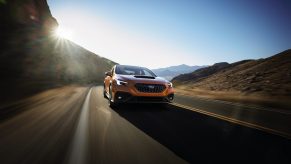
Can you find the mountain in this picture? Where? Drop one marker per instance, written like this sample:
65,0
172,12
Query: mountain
172,71
203,72
270,77
32,58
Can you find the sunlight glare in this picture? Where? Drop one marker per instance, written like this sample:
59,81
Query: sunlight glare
64,33
118,43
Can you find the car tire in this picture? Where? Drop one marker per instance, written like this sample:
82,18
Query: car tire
110,102
104,92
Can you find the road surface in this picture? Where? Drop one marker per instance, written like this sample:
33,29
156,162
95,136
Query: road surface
75,125
264,118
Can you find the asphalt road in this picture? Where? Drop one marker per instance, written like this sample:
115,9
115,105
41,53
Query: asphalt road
276,121
75,125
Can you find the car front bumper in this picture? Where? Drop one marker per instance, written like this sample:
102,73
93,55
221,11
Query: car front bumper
126,97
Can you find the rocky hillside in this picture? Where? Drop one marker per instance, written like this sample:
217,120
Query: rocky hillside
170,72
200,73
270,76
32,58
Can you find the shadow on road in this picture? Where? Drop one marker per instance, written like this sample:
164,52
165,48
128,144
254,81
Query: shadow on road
197,137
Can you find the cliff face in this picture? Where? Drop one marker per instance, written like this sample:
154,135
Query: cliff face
32,58
20,13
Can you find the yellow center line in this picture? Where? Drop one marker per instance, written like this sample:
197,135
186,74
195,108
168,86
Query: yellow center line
239,122
237,104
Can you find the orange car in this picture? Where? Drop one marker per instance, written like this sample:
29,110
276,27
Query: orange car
126,84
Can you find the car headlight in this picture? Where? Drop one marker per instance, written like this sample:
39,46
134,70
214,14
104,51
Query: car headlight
170,85
120,82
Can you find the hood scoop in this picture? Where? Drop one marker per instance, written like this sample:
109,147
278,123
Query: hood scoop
144,77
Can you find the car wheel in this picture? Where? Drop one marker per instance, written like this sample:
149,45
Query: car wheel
104,92
110,98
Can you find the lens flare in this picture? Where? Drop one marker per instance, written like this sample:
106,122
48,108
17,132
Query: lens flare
64,33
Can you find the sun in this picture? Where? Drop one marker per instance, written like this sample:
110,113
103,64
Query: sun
64,33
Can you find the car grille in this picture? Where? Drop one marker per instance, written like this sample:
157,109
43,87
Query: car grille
150,88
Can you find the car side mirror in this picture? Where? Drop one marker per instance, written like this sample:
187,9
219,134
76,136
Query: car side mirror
108,73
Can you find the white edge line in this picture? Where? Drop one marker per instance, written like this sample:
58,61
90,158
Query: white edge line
79,144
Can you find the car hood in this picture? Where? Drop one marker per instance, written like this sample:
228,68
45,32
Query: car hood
141,79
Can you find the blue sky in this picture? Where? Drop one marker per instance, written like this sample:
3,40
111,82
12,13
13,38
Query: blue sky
159,33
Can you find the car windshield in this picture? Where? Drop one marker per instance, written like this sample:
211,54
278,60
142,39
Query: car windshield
133,70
